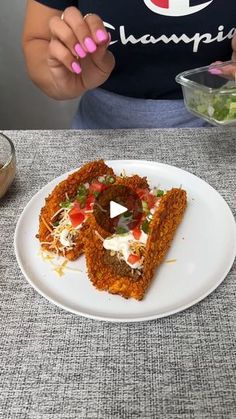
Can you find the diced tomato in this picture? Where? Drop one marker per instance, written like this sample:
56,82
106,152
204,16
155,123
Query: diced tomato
151,200
137,233
77,219
133,259
76,207
97,186
142,193
146,196
89,202
76,216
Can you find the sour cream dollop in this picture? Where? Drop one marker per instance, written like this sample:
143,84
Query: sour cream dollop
65,238
121,243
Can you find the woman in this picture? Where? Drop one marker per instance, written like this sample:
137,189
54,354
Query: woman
131,84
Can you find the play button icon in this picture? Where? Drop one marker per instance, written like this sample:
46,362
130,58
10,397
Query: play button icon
118,209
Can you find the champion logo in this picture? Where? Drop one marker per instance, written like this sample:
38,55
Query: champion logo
177,7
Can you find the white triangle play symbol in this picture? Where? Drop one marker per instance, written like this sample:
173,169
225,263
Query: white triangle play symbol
116,209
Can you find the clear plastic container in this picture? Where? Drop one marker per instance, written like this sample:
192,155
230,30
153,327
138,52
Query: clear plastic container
210,92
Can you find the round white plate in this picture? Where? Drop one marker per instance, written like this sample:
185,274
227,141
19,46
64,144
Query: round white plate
204,249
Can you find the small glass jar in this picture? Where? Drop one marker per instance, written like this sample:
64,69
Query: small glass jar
7,163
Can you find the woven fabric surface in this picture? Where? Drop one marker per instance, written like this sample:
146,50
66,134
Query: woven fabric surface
56,365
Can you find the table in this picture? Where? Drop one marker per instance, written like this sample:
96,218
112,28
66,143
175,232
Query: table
56,365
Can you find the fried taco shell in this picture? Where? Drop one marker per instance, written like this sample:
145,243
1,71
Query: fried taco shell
64,190
108,273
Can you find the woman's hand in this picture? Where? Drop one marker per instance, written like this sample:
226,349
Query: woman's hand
78,57
65,57
229,71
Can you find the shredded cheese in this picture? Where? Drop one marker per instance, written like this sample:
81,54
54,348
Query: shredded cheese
171,261
99,235
59,268
46,224
63,230
56,213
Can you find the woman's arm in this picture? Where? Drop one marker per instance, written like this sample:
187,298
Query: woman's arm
49,47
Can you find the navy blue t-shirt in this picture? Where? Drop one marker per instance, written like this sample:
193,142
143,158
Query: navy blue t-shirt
154,40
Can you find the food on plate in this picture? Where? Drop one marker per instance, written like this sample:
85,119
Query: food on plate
65,216
67,209
124,263
122,252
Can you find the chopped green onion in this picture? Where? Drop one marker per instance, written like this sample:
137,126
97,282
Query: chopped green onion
145,226
101,179
127,214
96,193
82,194
121,230
82,190
159,193
149,216
218,106
145,206
65,204
81,199
110,179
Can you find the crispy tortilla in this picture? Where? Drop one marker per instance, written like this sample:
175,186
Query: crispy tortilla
68,187
166,219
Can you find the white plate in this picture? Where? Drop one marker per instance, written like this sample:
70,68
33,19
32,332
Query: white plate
204,248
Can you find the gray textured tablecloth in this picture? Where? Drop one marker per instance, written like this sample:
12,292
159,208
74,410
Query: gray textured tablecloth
56,365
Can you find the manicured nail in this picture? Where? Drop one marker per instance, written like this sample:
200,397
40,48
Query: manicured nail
215,71
90,45
109,38
79,51
76,67
101,35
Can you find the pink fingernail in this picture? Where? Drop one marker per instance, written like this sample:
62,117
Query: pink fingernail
90,45
215,71
101,35
79,51
76,68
